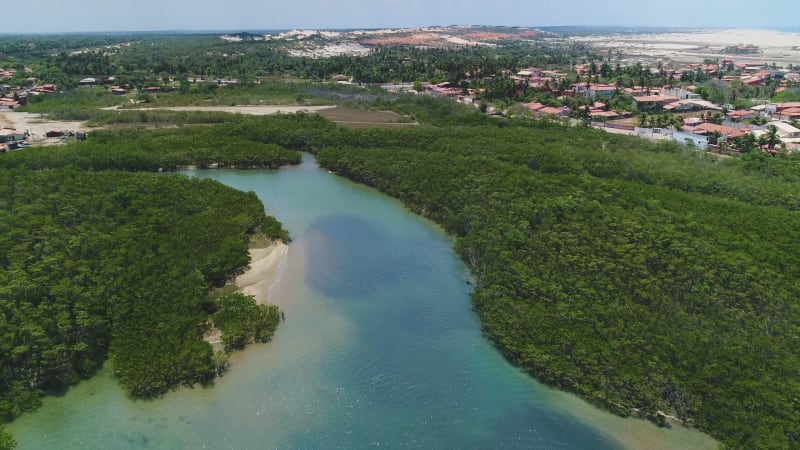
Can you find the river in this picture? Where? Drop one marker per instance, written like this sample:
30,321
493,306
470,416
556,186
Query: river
379,349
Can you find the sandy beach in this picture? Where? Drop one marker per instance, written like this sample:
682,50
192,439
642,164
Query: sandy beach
695,46
264,270
265,267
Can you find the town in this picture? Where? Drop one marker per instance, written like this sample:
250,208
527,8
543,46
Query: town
720,105
676,110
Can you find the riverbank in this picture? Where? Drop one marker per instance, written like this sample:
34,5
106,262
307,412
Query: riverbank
264,270
265,267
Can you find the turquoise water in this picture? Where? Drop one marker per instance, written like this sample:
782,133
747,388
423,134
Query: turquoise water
379,349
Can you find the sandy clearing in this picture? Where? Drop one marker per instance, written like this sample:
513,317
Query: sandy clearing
37,125
248,110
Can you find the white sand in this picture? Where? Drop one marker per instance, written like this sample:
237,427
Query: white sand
265,267
695,46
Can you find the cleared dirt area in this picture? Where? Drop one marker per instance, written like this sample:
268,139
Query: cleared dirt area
249,110
356,118
37,126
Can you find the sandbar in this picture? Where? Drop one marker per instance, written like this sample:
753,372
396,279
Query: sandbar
265,267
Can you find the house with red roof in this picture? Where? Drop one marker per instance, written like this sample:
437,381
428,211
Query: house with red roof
6,104
12,135
790,113
541,109
710,128
599,114
741,114
652,103
45,89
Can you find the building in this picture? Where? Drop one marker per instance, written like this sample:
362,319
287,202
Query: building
45,89
6,104
530,72
786,131
12,135
594,90
740,115
710,128
544,110
652,103
789,114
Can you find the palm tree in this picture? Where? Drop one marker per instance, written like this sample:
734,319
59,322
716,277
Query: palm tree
677,122
746,142
643,120
771,137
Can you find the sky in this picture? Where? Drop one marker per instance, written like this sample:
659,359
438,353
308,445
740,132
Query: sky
55,16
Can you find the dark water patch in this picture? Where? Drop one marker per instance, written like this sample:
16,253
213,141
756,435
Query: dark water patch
350,257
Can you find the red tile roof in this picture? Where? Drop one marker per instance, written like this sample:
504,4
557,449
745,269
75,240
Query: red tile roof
738,114
791,112
553,111
786,105
705,128
603,114
533,106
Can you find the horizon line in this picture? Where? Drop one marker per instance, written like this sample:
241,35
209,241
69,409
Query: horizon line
784,29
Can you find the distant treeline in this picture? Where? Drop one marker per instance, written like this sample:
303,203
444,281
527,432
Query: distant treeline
147,60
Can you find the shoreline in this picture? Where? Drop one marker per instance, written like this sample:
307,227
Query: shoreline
265,267
264,270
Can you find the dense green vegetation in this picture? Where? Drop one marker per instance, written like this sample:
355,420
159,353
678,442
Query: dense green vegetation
638,275
100,264
242,321
644,277
648,278
6,441
113,264
92,103
157,149
145,60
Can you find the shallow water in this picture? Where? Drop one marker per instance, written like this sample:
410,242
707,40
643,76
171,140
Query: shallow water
379,349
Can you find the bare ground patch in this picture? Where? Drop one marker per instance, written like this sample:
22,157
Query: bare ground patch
356,118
